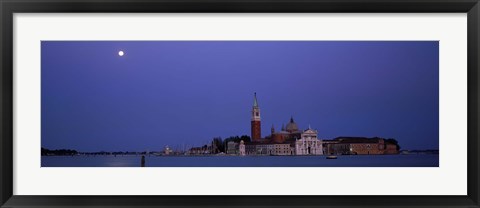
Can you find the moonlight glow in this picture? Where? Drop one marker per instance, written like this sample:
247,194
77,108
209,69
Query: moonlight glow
120,53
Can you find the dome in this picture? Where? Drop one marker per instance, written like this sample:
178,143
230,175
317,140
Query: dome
292,126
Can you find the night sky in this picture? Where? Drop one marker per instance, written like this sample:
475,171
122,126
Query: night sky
184,93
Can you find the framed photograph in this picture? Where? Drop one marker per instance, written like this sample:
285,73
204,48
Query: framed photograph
239,103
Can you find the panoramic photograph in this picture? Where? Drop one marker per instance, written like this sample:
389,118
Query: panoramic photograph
239,104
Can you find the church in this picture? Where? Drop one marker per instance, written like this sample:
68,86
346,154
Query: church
288,141
288,133
291,140
309,144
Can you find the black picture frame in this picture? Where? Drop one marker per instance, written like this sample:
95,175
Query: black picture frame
9,7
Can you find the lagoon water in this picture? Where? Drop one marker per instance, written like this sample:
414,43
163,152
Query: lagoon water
413,160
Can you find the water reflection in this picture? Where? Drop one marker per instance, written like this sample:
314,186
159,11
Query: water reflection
427,160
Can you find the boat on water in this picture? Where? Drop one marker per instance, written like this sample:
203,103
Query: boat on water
332,157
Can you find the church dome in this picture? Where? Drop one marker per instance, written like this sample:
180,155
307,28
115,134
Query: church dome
292,126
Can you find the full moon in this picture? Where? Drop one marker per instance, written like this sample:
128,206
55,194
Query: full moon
120,53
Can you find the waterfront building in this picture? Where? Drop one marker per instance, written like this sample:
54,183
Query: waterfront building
193,151
391,149
268,148
250,148
232,148
334,147
241,148
284,149
265,149
167,150
203,150
359,146
309,144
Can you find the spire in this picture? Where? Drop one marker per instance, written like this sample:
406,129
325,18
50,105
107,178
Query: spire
291,119
283,127
309,126
255,103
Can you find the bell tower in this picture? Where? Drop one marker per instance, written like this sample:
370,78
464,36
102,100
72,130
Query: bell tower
256,128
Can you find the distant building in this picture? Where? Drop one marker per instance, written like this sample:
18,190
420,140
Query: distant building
359,146
284,149
232,148
391,149
241,148
250,148
203,150
309,144
167,150
196,151
265,149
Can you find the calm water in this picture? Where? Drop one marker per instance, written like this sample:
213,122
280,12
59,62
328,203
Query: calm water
429,160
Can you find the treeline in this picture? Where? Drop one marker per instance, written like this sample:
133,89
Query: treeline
392,141
46,152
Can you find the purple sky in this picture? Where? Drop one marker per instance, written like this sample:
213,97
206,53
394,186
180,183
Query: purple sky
187,92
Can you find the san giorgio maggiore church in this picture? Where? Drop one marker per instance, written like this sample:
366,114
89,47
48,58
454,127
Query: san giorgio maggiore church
290,140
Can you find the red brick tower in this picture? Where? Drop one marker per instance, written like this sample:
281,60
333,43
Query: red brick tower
256,127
